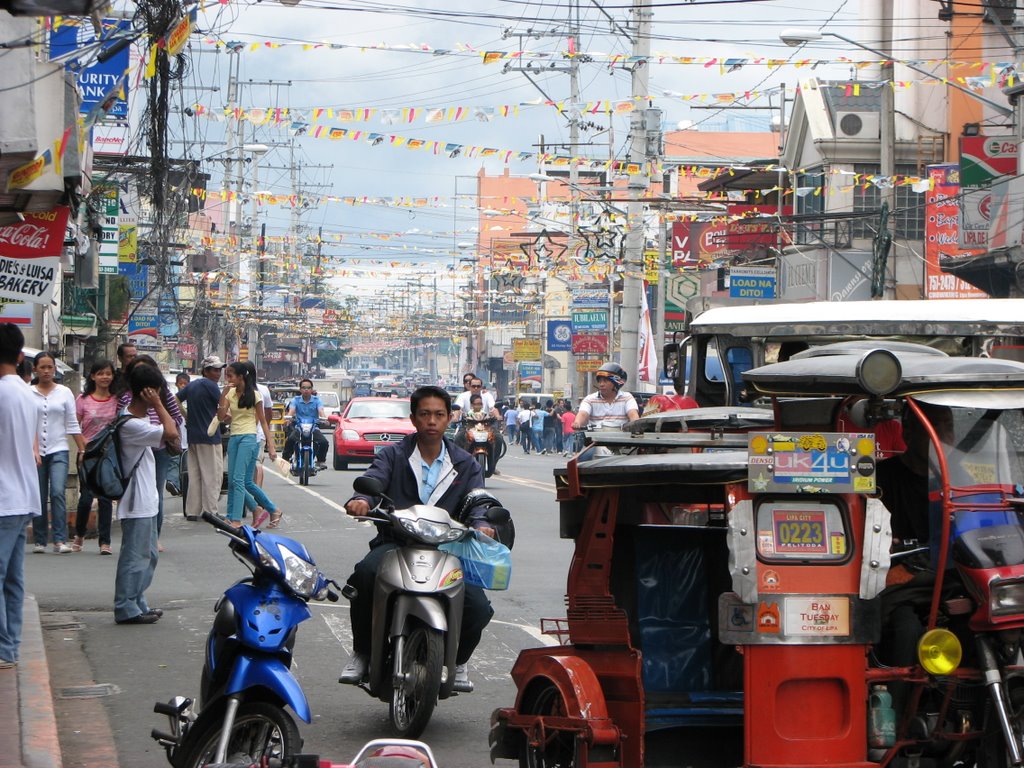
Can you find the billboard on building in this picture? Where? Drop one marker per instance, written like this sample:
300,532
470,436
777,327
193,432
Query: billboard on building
983,161
942,236
30,256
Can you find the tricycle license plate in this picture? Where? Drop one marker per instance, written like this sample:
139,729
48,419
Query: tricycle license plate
480,437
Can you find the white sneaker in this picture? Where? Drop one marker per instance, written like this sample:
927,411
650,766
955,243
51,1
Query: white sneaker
62,548
355,670
39,549
462,682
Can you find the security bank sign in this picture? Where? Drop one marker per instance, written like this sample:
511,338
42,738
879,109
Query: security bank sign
752,282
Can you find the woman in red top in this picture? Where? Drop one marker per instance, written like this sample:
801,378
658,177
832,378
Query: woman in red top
96,407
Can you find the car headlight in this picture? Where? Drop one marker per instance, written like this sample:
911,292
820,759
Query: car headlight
430,532
1006,597
300,575
349,434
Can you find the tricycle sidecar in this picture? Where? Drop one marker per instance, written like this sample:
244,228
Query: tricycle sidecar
734,608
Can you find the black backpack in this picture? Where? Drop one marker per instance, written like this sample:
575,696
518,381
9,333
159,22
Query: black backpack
101,469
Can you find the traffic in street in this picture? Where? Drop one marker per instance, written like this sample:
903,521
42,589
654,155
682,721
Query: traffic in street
133,667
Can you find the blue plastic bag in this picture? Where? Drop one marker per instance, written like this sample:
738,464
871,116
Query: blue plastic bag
485,562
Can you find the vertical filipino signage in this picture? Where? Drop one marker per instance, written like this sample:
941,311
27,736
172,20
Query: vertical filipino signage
109,197
942,236
30,256
983,161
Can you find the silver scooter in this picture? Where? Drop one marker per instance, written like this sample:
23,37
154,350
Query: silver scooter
417,611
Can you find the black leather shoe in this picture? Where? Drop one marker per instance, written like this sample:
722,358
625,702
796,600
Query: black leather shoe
155,612
142,618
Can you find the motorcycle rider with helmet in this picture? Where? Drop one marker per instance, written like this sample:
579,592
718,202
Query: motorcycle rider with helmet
424,468
610,405
306,408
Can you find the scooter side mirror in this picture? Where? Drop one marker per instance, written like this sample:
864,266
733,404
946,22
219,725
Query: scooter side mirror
368,486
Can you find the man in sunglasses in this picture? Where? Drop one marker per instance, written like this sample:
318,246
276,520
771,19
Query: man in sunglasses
306,408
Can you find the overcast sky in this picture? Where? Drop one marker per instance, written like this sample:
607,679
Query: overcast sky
393,79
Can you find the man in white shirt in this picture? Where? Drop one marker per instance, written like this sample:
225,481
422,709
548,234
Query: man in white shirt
137,509
609,406
19,487
475,388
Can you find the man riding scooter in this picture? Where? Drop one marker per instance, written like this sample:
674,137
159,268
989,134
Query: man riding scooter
424,468
306,408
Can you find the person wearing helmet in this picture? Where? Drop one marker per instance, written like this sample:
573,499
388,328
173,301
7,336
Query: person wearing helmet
609,406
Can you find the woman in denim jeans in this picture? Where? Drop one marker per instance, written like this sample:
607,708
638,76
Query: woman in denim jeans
96,407
57,422
242,405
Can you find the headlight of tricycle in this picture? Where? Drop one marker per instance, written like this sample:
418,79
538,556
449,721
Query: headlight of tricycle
939,652
300,575
427,531
1006,597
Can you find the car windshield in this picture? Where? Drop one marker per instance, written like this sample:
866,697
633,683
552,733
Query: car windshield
329,399
382,409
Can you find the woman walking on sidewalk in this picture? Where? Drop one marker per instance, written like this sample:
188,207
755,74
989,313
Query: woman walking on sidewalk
96,407
57,422
242,405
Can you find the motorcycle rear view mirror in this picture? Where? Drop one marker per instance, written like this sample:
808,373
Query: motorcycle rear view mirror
368,486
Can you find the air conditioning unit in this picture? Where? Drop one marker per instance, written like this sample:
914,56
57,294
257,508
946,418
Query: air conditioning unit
857,125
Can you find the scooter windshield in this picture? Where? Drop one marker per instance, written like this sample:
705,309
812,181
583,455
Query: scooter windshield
984,448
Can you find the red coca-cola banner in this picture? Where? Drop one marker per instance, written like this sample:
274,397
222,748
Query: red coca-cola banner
30,256
40,234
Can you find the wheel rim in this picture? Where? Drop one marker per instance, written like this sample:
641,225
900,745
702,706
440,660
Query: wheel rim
414,694
252,738
558,749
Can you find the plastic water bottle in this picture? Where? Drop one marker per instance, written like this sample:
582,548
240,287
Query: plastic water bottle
881,719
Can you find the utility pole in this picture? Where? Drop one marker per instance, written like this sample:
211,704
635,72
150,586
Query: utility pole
574,184
632,281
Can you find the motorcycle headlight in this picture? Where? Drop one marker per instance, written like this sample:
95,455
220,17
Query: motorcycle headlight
300,575
429,532
349,434
1006,597
267,560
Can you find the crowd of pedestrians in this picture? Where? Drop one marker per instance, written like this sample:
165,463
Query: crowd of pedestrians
46,427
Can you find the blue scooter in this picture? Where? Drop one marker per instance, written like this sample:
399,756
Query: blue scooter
247,681
304,460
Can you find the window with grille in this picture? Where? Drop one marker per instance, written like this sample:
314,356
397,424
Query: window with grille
906,223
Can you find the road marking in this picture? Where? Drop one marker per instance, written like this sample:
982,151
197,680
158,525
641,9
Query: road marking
525,481
531,630
307,489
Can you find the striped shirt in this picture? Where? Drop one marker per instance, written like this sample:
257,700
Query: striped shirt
609,414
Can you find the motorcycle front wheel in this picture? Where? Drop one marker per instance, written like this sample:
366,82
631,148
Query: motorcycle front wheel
261,730
414,699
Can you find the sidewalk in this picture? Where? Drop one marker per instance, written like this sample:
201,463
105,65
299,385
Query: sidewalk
26,699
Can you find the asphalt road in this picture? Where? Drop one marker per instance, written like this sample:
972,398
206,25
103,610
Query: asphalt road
135,666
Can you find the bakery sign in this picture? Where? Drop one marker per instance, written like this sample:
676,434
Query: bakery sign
30,256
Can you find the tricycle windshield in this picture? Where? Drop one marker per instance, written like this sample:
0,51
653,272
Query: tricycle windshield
983,449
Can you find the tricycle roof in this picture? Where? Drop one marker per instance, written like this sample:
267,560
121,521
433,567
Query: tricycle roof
819,372
711,468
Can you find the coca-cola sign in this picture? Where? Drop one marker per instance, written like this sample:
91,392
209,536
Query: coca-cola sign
40,234
30,256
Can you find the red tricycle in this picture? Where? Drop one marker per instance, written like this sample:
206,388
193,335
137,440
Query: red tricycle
847,591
